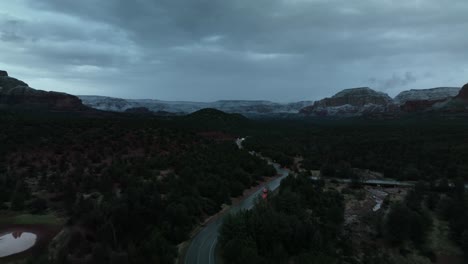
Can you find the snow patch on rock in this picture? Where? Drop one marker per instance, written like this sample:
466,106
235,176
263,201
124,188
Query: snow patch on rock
433,94
228,106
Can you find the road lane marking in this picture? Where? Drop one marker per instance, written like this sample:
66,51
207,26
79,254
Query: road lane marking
211,249
200,247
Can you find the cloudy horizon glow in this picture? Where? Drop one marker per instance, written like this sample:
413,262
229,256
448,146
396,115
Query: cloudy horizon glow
207,50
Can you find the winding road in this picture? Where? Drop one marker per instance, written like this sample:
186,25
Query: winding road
202,247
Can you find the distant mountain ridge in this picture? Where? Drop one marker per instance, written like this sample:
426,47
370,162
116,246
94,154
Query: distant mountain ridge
245,107
367,102
360,101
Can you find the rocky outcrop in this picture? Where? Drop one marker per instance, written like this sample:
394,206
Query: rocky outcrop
16,93
3,74
426,95
351,102
355,97
7,83
442,99
457,104
419,105
463,94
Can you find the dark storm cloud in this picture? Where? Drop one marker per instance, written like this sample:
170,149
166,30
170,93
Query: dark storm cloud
280,50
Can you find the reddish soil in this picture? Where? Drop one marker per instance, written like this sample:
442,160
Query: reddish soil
443,259
216,135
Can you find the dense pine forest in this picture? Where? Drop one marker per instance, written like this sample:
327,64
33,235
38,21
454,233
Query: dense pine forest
132,189
430,153
302,222
406,149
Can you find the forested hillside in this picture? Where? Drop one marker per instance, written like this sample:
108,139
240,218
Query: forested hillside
407,149
131,189
428,223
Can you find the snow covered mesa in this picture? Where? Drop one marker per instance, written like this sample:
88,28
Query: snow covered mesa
434,94
229,106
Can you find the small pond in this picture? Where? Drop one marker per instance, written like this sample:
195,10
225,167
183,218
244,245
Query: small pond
16,242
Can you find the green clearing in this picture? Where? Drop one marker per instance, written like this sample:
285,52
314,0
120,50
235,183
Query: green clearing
30,219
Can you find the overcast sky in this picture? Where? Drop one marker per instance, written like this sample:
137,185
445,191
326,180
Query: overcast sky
205,50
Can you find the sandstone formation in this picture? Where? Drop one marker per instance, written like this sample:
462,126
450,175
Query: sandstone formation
18,94
463,94
351,102
433,94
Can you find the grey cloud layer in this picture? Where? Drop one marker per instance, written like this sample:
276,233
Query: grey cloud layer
281,50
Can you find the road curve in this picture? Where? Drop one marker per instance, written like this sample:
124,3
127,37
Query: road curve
202,247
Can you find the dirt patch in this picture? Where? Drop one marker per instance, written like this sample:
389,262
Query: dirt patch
362,213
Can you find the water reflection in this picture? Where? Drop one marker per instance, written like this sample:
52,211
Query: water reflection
16,242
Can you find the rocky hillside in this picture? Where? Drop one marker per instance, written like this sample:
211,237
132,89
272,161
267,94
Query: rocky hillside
351,102
245,107
456,104
106,103
139,110
18,94
413,106
463,94
3,74
357,97
213,118
434,94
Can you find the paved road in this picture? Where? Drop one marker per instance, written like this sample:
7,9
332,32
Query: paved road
202,248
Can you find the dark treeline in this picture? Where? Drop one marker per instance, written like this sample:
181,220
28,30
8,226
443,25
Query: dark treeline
302,223
131,188
433,152
401,149
409,223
